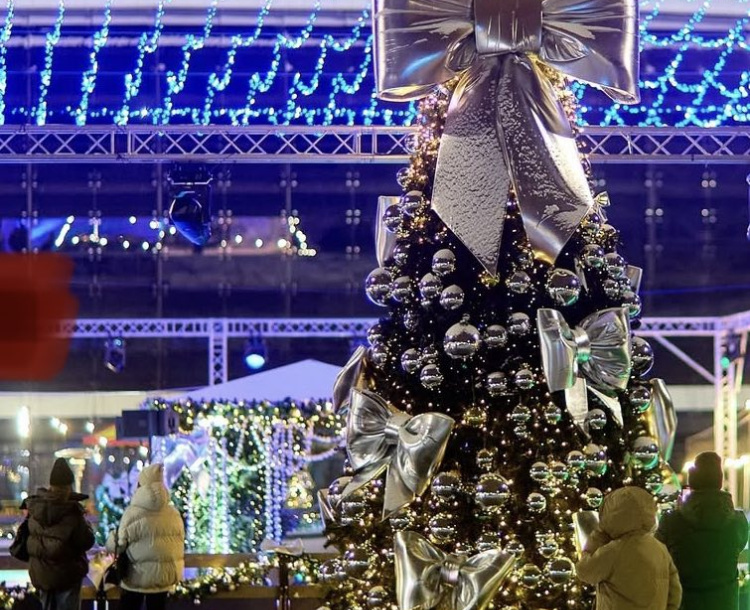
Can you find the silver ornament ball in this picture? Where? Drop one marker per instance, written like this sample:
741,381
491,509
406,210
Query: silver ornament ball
452,297
519,324
594,497
596,419
524,379
412,202
410,361
564,287
401,289
492,492
593,256
530,576
539,472
496,384
378,286
536,502
519,282
640,398
443,262
392,218
461,341
552,413
430,376
646,452
495,336
430,286
520,414
446,484
559,570
642,356
615,265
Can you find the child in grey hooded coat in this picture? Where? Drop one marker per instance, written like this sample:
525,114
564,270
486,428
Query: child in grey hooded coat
631,569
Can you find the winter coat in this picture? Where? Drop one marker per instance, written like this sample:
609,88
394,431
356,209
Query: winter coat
152,533
705,537
59,537
630,568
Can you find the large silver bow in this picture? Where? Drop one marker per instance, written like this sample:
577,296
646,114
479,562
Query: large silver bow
597,352
349,377
506,125
428,578
661,417
380,437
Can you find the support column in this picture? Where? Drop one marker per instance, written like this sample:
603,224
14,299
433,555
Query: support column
217,352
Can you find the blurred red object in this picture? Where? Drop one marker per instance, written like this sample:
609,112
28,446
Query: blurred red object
35,298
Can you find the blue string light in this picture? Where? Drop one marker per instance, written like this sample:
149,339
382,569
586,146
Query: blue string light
4,38
53,37
673,95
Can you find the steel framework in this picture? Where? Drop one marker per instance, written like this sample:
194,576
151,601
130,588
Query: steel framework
727,381
335,144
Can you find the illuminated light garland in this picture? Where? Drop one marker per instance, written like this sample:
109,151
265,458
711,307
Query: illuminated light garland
717,97
88,83
146,45
4,38
215,580
53,38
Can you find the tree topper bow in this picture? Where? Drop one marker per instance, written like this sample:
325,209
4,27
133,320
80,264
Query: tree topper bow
506,126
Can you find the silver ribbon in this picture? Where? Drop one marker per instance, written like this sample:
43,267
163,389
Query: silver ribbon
585,523
327,512
506,126
428,578
347,379
662,417
381,438
596,354
385,240
295,548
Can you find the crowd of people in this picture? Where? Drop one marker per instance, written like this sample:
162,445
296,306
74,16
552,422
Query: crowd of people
151,535
688,563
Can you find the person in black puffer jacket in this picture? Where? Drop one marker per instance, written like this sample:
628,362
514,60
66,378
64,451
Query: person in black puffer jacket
705,537
59,537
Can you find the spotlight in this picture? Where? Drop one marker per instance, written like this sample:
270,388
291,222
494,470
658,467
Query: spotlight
114,354
18,240
255,353
731,350
190,211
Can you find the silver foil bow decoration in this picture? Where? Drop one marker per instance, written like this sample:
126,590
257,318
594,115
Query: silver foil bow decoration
295,548
662,417
385,240
348,378
594,356
506,126
381,438
428,578
327,513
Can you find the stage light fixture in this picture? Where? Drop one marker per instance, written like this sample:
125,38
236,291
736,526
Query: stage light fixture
190,211
731,350
114,354
255,353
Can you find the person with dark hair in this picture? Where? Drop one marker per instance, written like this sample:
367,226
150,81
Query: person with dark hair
59,537
705,537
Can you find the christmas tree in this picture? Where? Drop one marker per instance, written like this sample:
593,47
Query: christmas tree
504,393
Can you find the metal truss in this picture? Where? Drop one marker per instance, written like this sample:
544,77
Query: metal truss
333,144
217,332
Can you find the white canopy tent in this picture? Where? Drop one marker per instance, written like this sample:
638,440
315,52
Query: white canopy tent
305,380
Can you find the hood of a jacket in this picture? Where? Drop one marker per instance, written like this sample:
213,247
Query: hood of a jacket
49,507
152,496
708,509
628,510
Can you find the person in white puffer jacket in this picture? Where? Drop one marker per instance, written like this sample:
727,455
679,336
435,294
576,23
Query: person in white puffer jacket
152,533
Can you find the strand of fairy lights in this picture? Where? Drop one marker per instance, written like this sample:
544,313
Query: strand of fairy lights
710,102
4,38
